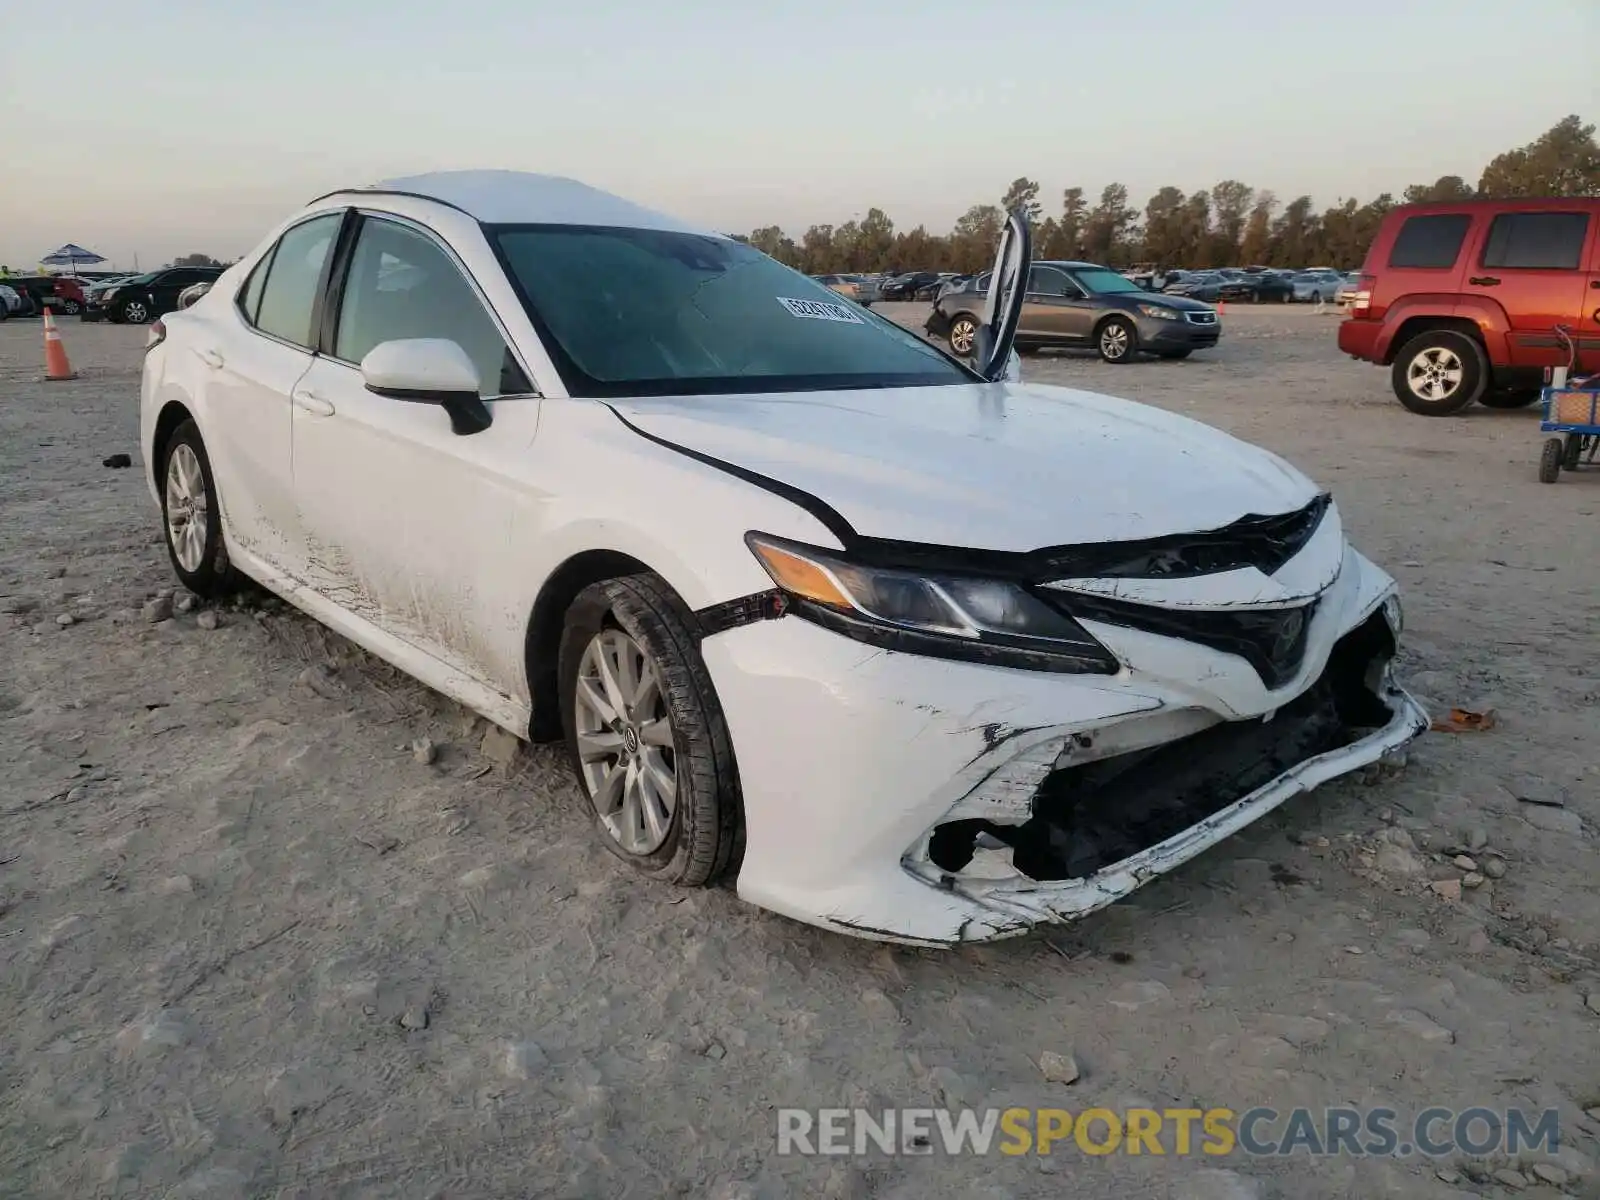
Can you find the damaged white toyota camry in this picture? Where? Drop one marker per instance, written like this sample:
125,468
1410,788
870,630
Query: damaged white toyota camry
914,650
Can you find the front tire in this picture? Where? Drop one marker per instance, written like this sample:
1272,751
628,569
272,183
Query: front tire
647,736
963,335
191,515
71,308
1117,340
1439,372
134,312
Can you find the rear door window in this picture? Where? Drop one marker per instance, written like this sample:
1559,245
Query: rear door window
289,295
1430,242
1551,241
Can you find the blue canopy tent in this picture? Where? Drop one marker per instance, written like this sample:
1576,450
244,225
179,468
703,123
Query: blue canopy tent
70,256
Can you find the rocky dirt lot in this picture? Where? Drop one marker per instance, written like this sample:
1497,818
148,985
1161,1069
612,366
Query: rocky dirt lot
253,944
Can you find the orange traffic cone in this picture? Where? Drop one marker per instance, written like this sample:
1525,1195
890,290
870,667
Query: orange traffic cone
1222,306
56,366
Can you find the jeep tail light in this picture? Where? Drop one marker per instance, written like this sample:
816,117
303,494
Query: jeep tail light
1362,301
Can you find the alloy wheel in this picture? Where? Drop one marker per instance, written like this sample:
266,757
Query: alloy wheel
188,508
1435,373
1114,341
961,336
625,742
135,313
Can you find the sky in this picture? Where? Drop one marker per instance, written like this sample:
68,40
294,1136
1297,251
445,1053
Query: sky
191,126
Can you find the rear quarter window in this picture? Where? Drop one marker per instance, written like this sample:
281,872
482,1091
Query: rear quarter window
1430,242
1536,240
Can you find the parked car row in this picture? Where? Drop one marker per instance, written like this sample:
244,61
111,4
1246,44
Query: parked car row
139,299
134,299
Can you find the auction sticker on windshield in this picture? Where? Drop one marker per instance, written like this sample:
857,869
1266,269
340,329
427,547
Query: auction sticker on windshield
819,310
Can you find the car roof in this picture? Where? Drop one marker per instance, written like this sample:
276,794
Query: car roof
525,198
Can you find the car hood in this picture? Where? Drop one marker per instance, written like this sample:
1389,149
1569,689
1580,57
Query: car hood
985,466
1165,299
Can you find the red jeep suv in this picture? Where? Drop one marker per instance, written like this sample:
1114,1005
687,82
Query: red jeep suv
1461,300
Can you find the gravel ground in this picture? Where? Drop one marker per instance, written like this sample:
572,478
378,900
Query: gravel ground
251,946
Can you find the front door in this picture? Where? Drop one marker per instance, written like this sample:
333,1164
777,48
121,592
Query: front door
1531,263
407,522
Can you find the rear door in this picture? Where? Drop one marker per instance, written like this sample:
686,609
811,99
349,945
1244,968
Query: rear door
1046,309
1425,258
1531,261
256,354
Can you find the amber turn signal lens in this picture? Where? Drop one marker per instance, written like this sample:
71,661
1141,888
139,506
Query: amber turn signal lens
799,576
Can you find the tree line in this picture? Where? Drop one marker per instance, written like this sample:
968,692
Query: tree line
1229,225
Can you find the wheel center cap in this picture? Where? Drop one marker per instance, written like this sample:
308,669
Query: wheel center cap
630,740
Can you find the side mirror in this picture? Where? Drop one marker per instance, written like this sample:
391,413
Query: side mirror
1003,307
429,371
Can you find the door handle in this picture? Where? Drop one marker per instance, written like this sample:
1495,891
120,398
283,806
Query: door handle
211,358
1484,281
305,398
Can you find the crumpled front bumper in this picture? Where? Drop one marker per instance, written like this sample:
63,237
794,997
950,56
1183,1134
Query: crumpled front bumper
851,756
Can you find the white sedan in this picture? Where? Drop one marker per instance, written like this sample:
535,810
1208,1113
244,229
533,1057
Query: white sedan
907,648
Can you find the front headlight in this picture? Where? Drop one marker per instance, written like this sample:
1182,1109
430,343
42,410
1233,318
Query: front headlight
106,295
1158,313
947,616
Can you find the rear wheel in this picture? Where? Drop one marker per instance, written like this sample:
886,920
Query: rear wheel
646,733
1439,372
71,307
1117,340
192,516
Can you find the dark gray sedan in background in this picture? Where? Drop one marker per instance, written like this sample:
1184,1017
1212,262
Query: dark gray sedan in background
1075,304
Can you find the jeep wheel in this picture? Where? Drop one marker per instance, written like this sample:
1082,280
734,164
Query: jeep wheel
1439,372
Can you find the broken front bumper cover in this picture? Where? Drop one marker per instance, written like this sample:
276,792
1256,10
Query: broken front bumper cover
853,758
1014,904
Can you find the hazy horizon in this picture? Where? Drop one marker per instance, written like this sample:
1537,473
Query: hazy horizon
201,127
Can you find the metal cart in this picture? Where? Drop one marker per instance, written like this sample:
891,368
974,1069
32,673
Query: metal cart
1571,411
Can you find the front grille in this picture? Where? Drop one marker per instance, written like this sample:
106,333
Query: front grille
1200,318
1271,640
